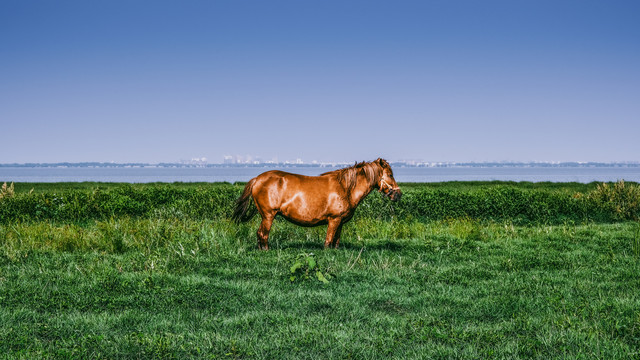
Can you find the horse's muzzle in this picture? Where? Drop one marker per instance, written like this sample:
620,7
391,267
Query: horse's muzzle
395,195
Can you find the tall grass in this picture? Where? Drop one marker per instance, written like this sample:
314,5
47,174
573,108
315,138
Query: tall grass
124,200
7,191
495,202
620,199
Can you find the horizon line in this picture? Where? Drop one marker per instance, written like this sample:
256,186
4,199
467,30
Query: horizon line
192,163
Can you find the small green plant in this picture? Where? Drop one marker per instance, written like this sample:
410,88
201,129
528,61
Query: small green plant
306,267
6,191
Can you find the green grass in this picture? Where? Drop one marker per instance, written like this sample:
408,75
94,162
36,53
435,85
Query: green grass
457,288
172,284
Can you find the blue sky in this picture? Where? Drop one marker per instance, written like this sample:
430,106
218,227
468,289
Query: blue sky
157,81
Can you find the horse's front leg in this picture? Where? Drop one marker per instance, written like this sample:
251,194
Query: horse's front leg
336,237
334,228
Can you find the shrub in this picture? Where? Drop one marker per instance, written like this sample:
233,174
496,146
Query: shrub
621,199
422,202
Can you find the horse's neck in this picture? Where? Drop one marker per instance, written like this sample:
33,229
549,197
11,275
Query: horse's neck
361,190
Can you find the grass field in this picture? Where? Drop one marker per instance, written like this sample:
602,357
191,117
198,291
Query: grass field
166,282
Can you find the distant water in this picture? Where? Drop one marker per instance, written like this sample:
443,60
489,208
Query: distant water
233,174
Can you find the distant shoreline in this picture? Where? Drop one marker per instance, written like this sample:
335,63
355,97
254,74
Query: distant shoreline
135,173
634,164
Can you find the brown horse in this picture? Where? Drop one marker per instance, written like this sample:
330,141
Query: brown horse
330,198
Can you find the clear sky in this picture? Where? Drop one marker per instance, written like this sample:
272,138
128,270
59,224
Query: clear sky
446,80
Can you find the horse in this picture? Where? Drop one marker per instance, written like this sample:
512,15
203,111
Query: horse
328,199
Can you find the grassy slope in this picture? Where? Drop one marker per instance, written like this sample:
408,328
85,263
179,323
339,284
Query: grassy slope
176,288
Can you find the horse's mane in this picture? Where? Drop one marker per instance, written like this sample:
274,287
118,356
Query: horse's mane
348,176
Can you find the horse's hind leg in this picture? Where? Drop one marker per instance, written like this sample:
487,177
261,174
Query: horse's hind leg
334,227
263,231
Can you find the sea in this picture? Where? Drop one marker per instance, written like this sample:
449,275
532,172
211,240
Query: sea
231,174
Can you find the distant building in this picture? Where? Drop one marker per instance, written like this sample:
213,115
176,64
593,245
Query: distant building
197,162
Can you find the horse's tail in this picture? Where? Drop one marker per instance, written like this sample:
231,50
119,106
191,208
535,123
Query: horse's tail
244,211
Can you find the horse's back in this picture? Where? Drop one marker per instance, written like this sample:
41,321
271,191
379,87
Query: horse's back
283,177
282,181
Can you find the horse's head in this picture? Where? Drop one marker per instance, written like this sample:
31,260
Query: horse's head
388,185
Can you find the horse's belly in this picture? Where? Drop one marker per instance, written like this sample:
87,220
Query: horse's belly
304,222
